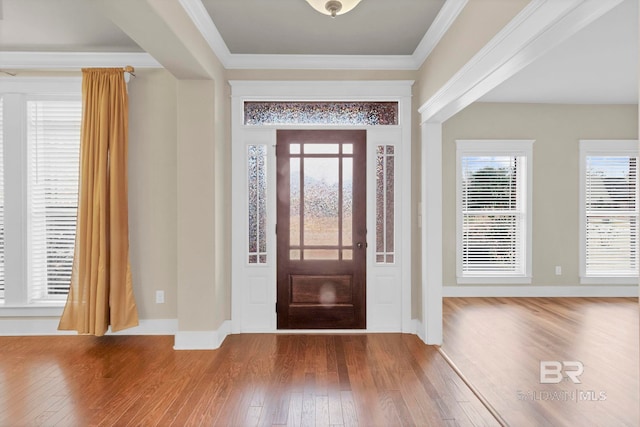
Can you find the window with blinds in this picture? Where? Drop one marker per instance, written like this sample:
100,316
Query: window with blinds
53,134
610,205
493,199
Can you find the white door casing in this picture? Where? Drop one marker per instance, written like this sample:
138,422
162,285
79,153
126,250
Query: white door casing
254,285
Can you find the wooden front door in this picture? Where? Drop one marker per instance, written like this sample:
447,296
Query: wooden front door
321,229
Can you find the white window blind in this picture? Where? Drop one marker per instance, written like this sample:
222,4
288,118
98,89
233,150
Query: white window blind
1,202
611,215
493,226
494,223
53,133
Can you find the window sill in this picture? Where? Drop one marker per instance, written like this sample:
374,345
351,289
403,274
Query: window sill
494,280
49,309
609,280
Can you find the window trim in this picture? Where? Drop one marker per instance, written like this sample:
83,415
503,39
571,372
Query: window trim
601,147
494,147
20,90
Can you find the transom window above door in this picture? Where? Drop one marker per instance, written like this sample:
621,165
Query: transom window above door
321,113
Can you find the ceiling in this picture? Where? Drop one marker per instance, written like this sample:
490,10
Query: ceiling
59,25
374,27
597,65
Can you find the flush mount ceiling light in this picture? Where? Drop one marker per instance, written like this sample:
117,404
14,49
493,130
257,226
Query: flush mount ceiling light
333,7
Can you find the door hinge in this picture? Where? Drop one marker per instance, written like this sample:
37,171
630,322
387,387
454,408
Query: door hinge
276,229
276,307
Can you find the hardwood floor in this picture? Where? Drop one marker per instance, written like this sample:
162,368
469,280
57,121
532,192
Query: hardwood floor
367,380
498,343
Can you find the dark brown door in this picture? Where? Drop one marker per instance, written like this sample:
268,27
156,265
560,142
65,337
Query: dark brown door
321,229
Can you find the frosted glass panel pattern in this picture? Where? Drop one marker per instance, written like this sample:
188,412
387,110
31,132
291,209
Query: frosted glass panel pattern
347,201
321,113
321,198
294,201
257,181
385,204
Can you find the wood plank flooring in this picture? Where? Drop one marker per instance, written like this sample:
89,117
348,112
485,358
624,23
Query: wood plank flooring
252,380
498,343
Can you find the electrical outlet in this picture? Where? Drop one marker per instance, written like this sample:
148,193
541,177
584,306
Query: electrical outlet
159,297
558,270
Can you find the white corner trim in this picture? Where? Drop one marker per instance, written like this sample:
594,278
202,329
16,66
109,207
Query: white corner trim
202,340
75,60
49,326
540,26
539,291
441,24
202,20
418,329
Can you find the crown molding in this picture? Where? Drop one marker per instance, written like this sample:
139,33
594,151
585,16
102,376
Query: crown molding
203,22
75,60
445,18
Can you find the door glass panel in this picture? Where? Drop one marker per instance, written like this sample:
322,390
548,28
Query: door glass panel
294,148
347,148
321,254
321,148
347,254
294,180
347,201
294,254
321,195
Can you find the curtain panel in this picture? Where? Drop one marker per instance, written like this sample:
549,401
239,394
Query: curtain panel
101,292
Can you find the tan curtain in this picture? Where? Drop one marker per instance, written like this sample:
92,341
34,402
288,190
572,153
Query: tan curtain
101,292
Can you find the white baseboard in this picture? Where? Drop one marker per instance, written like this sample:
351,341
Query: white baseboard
49,326
202,340
540,291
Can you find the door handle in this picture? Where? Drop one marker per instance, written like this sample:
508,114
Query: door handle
359,245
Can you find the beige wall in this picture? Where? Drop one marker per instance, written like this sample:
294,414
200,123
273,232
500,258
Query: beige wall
153,191
320,75
556,130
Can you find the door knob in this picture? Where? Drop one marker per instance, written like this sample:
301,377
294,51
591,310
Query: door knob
359,245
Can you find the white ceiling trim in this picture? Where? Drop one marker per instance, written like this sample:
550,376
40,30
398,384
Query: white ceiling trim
539,27
203,22
200,17
75,60
445,18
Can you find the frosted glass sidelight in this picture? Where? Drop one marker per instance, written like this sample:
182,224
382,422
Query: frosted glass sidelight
257,203
385,204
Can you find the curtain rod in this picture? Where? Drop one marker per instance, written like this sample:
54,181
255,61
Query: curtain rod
129,69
